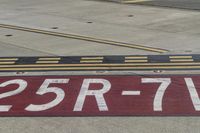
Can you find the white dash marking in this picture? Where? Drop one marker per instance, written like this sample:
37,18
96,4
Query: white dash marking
130,93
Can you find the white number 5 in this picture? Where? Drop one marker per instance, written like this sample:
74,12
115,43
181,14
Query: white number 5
60,94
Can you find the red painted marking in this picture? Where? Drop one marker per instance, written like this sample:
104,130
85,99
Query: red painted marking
176,99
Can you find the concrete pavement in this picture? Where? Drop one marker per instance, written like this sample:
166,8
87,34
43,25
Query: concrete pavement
172,29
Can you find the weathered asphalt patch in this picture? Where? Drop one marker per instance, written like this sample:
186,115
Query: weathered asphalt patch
164,95
183,4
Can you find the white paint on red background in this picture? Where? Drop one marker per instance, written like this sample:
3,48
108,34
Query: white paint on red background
100,95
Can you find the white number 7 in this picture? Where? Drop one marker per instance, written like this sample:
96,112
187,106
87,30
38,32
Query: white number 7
165,82
60,94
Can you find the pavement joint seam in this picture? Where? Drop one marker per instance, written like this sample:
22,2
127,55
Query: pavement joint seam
50,54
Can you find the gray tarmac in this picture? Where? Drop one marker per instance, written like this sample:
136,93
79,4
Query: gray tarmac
174,29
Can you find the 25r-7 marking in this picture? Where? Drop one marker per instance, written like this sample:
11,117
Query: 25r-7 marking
85,91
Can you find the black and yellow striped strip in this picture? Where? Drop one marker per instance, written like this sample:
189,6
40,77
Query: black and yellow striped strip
93,63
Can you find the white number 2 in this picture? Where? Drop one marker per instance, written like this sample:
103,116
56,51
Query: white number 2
165,82
22,86
60,94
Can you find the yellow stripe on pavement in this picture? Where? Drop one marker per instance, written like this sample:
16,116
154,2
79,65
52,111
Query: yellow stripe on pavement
46,62
100,68
132,61
104,65
91,61
181,60
2,63
92,58
180,57
48,59
8,59
85,38
134,1
136,57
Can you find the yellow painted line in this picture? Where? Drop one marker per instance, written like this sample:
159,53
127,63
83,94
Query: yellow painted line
92,58
181,60
85,38
101,68
103,65
47,59
180,57
132,61
91,61
136,57
46,62
134,1
2,63
8,59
